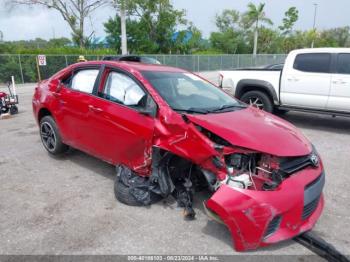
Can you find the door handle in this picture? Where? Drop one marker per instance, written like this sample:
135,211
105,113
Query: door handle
293,79
95,109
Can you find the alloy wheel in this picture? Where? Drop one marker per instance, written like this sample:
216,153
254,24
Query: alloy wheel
48,136
256,102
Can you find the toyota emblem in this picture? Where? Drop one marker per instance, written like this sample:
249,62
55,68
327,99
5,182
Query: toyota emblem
314,160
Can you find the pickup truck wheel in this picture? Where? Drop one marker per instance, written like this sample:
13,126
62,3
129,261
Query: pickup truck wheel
258,99
280,111
51,137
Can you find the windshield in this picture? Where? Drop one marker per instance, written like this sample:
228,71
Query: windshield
189,93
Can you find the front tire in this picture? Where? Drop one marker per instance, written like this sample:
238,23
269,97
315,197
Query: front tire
259,100
51,137
126,182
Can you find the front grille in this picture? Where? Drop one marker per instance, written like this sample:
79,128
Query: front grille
292,165
310,208
317,180
273,226
312,195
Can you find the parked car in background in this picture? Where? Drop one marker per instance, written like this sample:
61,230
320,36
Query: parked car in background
275,66
133,58
313,80
170,132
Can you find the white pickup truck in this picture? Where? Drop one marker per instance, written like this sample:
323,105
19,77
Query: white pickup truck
314,80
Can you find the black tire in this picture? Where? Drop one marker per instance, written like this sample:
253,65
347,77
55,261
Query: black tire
14,110
4,110
50,136
123,195
258,99
280,111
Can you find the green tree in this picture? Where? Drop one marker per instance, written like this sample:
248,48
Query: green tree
159,19
150,26
291,17
59,42
253,18
228,19
339,37
270,41
138,40
231,37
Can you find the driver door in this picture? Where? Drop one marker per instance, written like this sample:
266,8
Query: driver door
122,131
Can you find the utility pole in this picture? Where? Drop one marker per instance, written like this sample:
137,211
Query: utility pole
1,36
314,25
123,28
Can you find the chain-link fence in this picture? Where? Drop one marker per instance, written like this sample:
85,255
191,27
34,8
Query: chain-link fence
23,67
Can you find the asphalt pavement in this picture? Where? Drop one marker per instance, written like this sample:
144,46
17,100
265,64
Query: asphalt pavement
66,205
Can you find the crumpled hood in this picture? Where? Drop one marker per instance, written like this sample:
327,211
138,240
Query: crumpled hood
254,129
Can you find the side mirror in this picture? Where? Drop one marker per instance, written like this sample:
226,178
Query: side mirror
147,112
150,109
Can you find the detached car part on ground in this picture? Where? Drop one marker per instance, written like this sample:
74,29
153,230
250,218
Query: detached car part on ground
170,132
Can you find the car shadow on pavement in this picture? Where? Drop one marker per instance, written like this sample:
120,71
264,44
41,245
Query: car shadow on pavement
339,125
88,162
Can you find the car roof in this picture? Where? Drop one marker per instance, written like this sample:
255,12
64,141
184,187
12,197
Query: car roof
130,66
322,50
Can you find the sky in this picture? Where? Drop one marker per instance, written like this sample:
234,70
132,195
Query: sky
23,23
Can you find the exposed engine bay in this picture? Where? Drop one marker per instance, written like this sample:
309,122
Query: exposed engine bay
181,178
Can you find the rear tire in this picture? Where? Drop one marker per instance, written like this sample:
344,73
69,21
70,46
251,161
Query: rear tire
259,100
51,137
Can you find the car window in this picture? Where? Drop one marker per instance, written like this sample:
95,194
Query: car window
313,63
84,80
187,92
343,64
122,89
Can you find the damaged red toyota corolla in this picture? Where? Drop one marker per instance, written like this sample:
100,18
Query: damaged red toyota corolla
169,132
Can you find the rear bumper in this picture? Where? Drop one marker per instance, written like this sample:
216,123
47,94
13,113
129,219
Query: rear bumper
260,218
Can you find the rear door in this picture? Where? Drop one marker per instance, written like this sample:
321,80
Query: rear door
122,132
306,81
339,97
74,98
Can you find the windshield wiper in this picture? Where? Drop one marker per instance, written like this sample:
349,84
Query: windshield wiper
223,107
192,110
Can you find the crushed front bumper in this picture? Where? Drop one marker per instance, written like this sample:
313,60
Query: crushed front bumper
260,218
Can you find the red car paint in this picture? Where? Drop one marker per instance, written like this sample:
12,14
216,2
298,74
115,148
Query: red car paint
86,120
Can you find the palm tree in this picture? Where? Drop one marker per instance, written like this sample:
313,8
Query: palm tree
255,16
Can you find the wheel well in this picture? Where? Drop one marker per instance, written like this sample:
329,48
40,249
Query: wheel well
254,88
43,112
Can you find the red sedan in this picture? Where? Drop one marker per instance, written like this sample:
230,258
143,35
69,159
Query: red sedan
170,132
